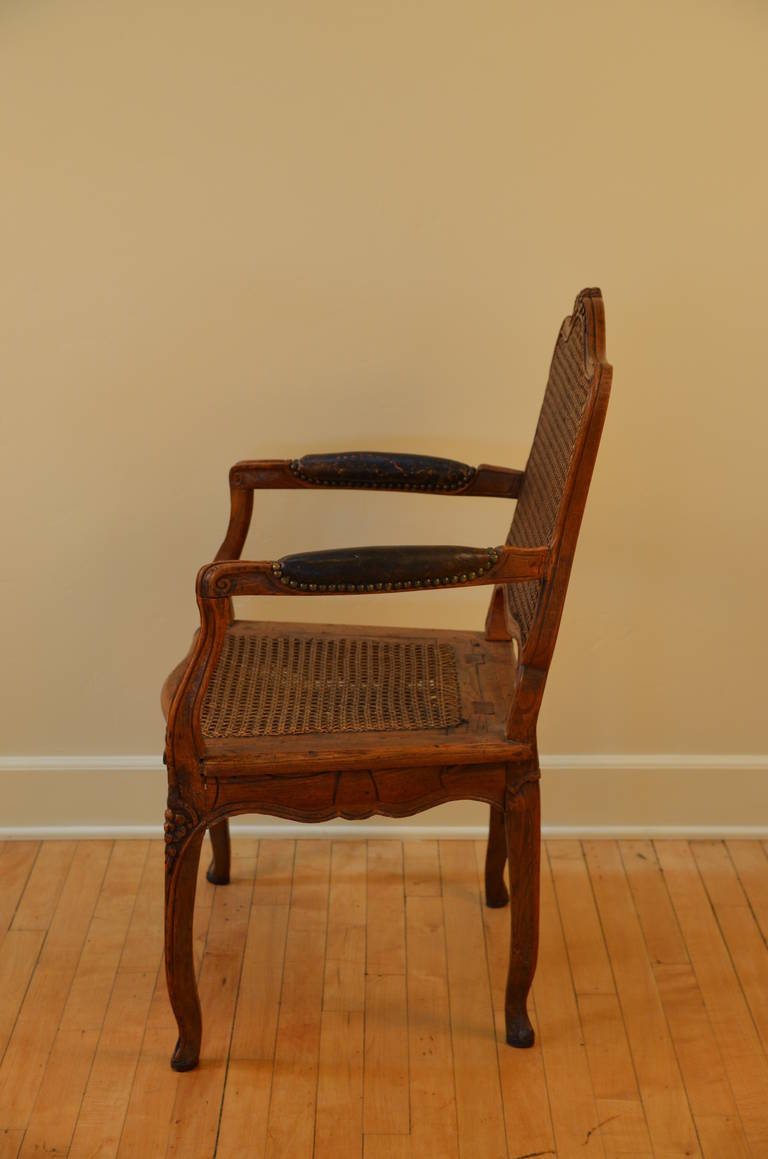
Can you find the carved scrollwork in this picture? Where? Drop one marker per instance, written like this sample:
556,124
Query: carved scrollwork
180,820
513,789
355,794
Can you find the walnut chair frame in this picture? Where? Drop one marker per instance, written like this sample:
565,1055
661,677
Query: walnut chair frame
489,753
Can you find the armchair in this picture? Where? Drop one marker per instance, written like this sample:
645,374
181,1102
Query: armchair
312,722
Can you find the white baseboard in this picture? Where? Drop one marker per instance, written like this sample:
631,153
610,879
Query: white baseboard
625,795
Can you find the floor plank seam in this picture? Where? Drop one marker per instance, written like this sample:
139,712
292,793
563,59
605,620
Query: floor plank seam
638,1087
23,998
481,902
72,980
702,992
280,999
21,893
405,976
26,881
746,892
582,1038
111,992
227,1058
322,992
734,966
449,988
660,996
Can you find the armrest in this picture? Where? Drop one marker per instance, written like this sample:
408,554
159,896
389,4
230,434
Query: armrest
378,471
384,472
374,569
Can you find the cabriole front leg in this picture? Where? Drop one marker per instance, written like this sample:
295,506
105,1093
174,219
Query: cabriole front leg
523,829
182,856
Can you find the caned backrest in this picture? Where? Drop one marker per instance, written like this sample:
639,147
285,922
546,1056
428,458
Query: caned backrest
559,468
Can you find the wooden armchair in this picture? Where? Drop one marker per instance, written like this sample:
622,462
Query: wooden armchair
309,722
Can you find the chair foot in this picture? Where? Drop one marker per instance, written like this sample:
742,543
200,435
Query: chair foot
185,1056
519,1031
497,899
217,877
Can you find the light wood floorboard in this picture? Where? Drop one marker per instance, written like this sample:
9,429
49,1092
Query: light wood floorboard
353,1000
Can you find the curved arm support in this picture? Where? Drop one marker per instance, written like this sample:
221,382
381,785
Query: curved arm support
241,509
183,737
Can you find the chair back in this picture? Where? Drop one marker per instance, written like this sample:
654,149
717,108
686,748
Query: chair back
558,472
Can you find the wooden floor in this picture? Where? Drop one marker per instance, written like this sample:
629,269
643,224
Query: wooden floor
353,1004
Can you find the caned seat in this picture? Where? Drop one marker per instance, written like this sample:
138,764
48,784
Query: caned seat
310,722
329,693
303,683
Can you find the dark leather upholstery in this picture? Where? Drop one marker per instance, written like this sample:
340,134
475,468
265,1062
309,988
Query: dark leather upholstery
369,569
389,472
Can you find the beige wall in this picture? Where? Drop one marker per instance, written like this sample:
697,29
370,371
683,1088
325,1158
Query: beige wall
247,229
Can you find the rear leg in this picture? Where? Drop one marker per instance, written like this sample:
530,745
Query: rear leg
496,894
523,826
218,870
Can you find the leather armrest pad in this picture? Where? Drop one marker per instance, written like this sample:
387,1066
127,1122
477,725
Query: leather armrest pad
370,569
381,471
